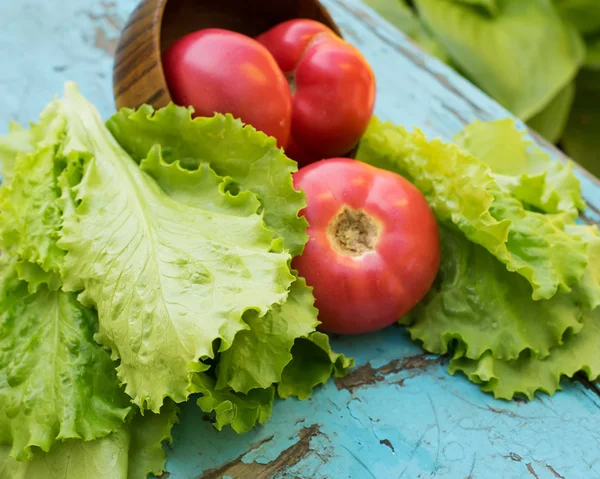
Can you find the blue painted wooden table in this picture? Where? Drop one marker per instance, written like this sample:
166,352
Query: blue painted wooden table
399,414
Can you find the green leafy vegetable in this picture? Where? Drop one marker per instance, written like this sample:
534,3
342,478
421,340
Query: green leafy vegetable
592,59
488,6
250,158
313,363
463,191
399,14
484,47
552,120
238,410
132,452
259,355
484,307
585,14
30,214
177,262
505,207
529,374
527,55
147,434
17,142
35,276
186,273
52,372
522,168
581,140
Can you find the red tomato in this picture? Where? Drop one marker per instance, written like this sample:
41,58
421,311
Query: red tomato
219,71
374,247
333,87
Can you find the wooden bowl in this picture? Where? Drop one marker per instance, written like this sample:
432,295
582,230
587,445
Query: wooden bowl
138,76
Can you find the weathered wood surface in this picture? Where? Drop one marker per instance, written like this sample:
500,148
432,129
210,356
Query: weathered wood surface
399,414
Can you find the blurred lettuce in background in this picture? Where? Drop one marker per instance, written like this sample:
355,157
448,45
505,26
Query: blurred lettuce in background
539,58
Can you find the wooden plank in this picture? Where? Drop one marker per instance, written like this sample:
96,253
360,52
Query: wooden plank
399,414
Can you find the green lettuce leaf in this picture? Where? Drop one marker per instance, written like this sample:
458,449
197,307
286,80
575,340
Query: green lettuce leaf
522,168
313,364
35,276
30,212
581,140
587,292
17,142
482,307
552,120
259,355
592,59
398,13
250,158
462,191
403,17
489,6
585,14
197,188
167,279
529,374
52,372
132,452
148,433
238,410
501,52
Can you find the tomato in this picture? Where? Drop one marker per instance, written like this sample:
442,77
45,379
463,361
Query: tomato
374,247
219,71
333,88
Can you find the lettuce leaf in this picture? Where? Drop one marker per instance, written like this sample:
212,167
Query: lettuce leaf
168,279
132,452
581,140
483,307
403,17
238,410
313,364
489,6
585,14
259,355
17,142
52,372
35,276
30,213
592,59
500,52
522,168
148,433
552,120
478,306
529,374
249,158
463,191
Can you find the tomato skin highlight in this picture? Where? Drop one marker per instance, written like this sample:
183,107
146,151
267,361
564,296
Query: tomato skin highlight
219,71
333,86
363,291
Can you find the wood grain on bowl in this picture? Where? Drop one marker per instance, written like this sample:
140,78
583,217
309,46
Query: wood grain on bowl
138,76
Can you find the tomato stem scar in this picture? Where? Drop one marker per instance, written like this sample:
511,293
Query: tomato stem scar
352,232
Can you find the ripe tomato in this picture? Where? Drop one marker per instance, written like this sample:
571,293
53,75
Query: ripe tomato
374,247
333,87
219,71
